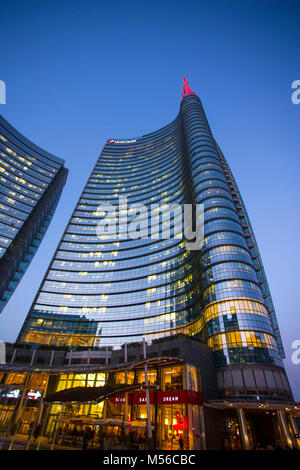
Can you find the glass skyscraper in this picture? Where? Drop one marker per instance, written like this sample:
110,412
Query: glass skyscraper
106,292
31,182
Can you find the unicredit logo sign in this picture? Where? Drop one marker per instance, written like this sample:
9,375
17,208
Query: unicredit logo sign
112,141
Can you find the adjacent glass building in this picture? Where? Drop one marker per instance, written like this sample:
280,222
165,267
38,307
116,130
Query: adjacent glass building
31,182
100,291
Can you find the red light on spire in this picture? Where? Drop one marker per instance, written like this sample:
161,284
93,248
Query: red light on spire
186,89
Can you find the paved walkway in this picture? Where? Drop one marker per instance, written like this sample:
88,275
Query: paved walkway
20,443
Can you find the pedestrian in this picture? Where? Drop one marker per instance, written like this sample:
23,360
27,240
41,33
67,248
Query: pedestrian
100,440
226,444
278,445
258,446
30,428
93,435
269,447
86,438
181,443
37,432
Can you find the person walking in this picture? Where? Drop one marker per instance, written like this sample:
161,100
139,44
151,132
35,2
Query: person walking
181,443
86,438
278,445
226,444
258,446
30,428
37,432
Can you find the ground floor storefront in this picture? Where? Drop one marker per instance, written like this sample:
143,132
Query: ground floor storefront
252,426
160,402
122,421
157,402
179,420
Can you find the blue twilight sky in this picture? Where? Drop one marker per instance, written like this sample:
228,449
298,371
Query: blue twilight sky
80,72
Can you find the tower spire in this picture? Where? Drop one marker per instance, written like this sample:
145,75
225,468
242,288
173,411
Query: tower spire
186,89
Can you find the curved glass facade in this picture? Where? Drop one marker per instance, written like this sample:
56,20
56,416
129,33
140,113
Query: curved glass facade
31,181
104,292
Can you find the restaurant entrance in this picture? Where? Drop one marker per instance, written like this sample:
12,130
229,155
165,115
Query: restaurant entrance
172,424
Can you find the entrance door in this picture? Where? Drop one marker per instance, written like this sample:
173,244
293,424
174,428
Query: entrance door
264,429
172,424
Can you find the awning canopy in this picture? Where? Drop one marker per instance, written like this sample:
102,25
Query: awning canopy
248,405
91,394
88,368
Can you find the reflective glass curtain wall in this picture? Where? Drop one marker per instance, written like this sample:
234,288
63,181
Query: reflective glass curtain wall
31,181
100,292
